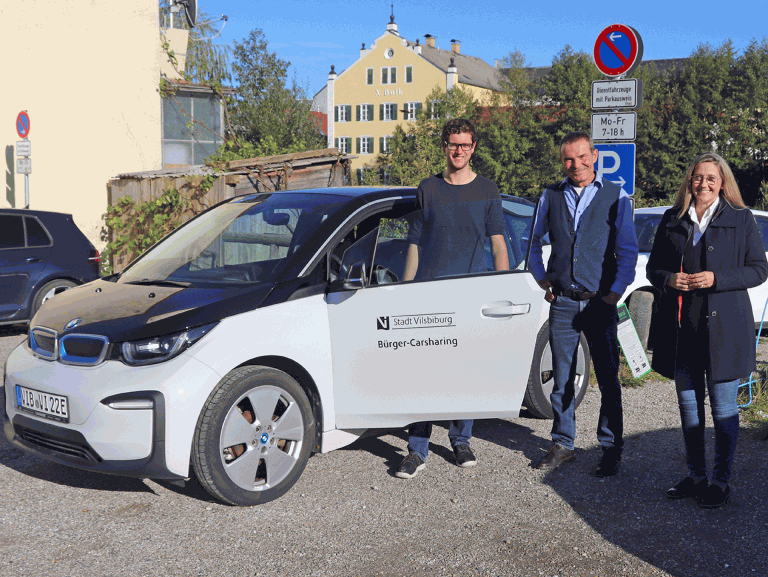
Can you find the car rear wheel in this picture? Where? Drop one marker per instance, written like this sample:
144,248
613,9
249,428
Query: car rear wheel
541,381
48,291
253,437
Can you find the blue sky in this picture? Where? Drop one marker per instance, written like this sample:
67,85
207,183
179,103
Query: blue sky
313,34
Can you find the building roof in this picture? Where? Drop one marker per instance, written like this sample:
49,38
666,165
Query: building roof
471,69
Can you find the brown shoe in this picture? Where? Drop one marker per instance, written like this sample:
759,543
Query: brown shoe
556,456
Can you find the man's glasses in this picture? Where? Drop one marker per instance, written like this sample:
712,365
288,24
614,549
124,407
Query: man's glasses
452,146
711,179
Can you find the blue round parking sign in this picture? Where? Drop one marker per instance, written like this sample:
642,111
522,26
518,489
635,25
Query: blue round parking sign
618,50
22,124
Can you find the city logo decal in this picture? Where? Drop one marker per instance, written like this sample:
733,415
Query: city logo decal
382,323
422,321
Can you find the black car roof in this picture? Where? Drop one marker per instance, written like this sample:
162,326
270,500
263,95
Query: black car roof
30,212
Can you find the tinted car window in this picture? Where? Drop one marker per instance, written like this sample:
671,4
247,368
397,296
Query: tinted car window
36,235
11,231
240,242
763,224
645,226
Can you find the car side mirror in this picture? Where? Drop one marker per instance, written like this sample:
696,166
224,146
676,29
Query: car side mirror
356,276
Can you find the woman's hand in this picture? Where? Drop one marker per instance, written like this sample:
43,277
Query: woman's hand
691,282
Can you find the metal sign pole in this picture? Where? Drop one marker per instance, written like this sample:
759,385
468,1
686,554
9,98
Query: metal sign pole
26,191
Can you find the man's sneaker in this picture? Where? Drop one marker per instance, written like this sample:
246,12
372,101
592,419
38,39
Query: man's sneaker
411,465
464,456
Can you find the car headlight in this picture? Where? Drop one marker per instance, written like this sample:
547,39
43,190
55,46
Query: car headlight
160,349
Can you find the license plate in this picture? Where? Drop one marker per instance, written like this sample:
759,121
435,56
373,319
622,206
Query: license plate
42,404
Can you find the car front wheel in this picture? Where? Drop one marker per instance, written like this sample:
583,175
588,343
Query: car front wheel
541,379
253,437
48,291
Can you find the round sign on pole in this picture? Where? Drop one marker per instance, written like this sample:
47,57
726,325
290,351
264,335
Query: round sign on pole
22,124
618,50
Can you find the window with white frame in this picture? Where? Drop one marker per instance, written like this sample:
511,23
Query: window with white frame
389,75
408,74
343,113
388,111
364,112
185,143
365,145
411,109
384,142
369,76
342,143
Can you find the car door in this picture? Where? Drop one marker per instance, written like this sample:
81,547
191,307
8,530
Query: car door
453,347
21,262
758,295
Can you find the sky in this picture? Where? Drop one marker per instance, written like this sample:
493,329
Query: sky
313,34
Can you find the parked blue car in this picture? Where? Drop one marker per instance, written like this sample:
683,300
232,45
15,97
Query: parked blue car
41,254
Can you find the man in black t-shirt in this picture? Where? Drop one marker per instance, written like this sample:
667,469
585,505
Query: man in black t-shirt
458,211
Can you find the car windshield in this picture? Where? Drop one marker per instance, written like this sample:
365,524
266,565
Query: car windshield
645,226
241,242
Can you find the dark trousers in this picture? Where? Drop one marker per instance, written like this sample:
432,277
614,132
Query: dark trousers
597,320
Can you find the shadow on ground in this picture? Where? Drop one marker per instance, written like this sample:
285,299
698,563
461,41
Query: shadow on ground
632,512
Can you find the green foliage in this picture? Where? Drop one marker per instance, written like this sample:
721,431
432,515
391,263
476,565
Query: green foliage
134,228
267,111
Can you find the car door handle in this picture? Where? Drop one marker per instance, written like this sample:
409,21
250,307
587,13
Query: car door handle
33,259
506,310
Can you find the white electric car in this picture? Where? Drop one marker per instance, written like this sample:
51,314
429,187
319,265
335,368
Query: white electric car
267,328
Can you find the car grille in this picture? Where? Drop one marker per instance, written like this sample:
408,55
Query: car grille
83,350
59,446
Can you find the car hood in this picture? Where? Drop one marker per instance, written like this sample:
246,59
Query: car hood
124,311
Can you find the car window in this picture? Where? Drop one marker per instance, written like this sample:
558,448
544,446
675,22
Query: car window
762,223
518,218
240,242
36,235
11,231
645,226
455,246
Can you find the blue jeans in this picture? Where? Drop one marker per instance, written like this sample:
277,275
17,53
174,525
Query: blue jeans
690,384
597,320
418,436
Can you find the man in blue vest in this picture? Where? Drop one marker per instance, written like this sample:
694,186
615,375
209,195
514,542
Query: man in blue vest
594,253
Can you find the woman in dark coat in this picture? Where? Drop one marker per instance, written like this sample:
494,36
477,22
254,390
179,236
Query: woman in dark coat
706,254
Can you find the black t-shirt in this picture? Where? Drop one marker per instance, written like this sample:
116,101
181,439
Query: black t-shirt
453,223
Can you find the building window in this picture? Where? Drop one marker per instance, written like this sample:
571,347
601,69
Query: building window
384,144
186,142
388,111
342,143
364,112
408,74
364,145
369,76
389,75
342,113
434,113
412,109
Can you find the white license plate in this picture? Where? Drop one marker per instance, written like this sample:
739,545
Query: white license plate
42,404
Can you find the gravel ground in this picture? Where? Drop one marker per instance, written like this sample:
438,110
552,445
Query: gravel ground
348,514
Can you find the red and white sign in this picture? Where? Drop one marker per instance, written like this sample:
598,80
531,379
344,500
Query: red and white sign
618,50
22,124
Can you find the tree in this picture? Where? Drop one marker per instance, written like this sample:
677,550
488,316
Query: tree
265,107
514,151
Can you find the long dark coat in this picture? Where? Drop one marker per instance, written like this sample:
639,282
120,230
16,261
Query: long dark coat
733,251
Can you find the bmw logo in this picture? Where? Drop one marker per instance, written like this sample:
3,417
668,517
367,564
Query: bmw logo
72,324
264,439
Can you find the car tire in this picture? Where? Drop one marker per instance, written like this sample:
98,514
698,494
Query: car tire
253,437
540,381
641,310
49,290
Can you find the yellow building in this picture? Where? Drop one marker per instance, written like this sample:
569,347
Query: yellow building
388,84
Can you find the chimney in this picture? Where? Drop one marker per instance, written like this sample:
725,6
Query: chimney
456,46
430,40
452,78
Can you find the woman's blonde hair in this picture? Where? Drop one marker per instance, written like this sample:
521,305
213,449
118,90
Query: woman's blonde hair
730,190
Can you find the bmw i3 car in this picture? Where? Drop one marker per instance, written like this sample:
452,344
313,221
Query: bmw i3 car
270,327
